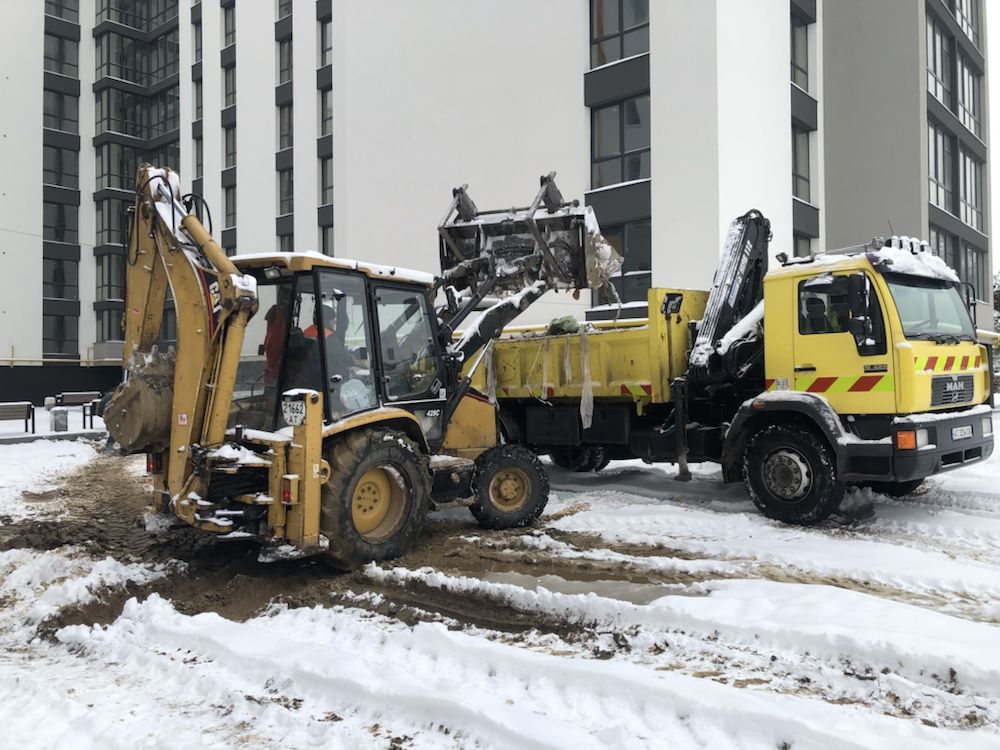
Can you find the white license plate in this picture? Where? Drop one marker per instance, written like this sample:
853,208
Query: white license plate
294,412
960,433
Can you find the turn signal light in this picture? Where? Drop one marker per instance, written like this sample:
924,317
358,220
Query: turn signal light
286,491
906,440
149,463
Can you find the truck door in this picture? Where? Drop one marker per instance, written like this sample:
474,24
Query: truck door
840,344
411,365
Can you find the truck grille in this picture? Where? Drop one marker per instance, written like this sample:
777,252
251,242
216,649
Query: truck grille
952,389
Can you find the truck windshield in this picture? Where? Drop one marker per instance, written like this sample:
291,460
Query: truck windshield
930,308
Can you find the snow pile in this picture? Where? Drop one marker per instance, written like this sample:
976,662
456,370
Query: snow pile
237,454
36,585
905,255
743,327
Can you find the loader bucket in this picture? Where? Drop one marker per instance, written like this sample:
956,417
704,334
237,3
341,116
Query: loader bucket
552,240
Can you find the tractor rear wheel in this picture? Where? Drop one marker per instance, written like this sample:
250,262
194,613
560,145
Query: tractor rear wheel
374,503
511,487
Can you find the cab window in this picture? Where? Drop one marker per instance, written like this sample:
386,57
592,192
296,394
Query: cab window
410,363
824,307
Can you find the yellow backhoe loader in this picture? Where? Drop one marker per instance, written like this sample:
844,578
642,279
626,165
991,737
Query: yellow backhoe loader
318,404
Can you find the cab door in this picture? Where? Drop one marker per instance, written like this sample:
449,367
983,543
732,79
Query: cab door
840,347
410,363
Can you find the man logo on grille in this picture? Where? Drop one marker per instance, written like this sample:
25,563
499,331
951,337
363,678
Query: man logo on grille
955,386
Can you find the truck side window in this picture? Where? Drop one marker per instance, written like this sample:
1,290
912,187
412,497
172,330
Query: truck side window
824,307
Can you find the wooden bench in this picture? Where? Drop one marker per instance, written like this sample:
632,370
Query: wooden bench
19,410
86,399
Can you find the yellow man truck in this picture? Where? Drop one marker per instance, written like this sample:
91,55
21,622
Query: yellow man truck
316,404
860,366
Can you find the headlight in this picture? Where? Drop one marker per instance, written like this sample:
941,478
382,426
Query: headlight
921,439
987,426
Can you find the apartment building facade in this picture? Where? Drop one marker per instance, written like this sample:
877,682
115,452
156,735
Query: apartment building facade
340,126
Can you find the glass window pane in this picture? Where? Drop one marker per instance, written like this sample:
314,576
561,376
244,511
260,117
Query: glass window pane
634,12
604,18
635,42
607,131
607,173
410,360
604,52
636,166
636,112
638,247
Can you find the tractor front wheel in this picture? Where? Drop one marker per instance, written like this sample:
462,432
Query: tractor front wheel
511,487
374,503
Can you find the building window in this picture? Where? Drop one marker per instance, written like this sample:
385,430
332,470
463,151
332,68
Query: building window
109,325
62,55
284,61
67,9
117,164
634,242
196,33
110,277
110,217
620,142
971,193
284,8
60,279
168,324
967,13
286,192
618,29
325,42
943,245
60,334
230,201
229,84
800,164
286,243
969,88
940,168
229,25
939,61
975,271
326,240
326,181
285,126
198,100
802,246
60,223
229,147
800,53
199,158
326,112
60,166
61,112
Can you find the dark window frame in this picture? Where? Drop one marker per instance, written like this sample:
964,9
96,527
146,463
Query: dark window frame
229,204
801,179
64,59
65,167
229,147
285,61
624,157
229,25
610,47
800,66
326,42
63,114
286,192
326,181
68,286
286,126
64,338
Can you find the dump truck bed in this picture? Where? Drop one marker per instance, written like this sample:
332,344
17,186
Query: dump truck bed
628,360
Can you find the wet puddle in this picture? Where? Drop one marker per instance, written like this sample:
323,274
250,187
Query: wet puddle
625,591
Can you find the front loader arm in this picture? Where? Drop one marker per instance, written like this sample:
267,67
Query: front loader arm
171,402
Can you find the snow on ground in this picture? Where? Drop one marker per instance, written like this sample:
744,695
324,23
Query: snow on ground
680,618
43,426
38,466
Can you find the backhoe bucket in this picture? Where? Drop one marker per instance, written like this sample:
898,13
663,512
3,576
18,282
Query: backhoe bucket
552,240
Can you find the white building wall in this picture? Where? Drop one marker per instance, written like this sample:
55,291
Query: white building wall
305,115
489,94
21,55
754,105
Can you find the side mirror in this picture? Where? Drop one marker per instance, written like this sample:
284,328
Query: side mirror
857,295
858,328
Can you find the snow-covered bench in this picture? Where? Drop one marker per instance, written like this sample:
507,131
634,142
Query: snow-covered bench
19,410
87,399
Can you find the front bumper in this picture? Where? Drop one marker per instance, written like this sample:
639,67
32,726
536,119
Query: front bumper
869,460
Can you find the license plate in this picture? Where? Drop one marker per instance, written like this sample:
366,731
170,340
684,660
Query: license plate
294,412
960,433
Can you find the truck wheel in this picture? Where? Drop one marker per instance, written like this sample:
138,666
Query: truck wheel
791,474
893,489
374,503
511,487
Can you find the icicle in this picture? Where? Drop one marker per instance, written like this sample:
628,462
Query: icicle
587,393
